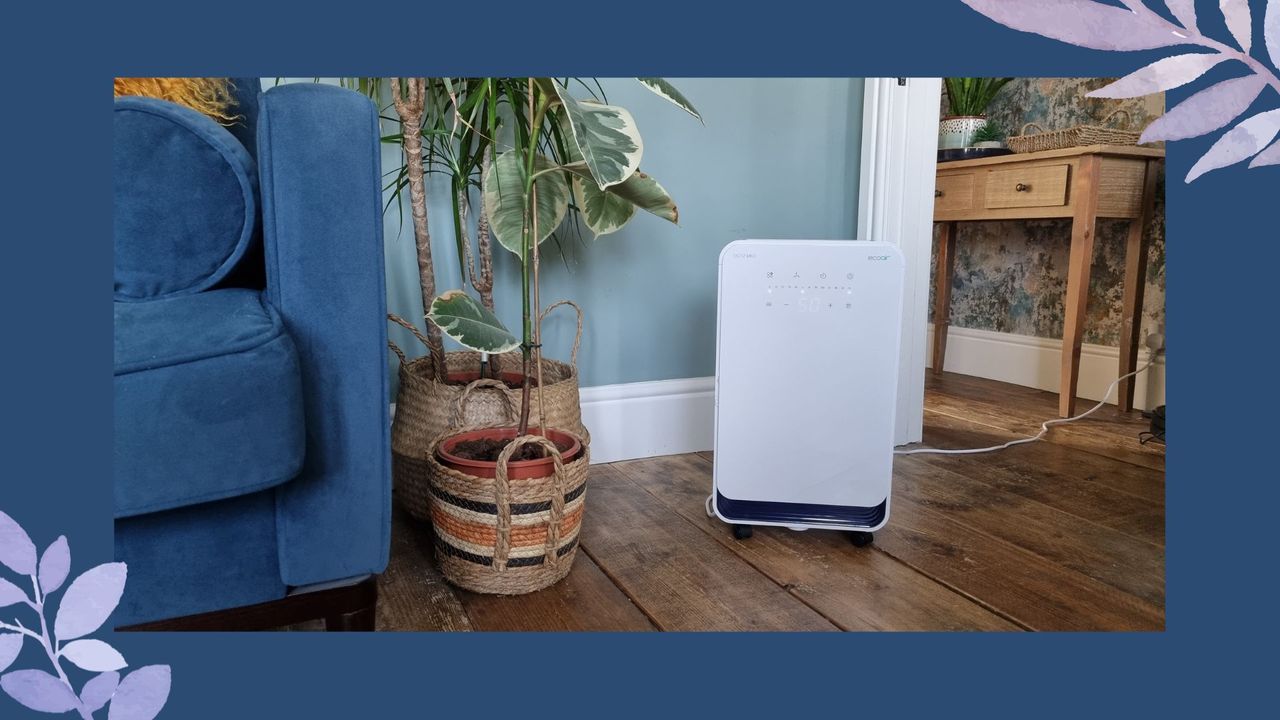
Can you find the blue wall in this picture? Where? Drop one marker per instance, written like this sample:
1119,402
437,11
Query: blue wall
777,158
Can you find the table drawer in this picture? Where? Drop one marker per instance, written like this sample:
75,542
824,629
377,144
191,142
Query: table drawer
953,192
1040,186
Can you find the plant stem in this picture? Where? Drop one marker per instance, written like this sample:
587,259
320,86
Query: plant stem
1194,37
47,643
530,213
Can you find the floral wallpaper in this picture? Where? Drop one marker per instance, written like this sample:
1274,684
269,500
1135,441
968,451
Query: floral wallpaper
1011,276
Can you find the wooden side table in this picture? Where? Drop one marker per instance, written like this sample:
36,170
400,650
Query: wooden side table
1083,184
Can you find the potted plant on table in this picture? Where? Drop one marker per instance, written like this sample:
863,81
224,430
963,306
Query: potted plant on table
532,475
968,99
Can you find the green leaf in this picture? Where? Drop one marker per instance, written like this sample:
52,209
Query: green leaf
603,211
640,190
666,90
606,136
504,198
459,316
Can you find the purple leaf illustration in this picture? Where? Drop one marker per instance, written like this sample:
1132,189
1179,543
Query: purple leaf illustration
1161,75
1271,31
93,655
10,646
39,691
1206,111
141,695
1270,156
1240,142
54,565
17,552
1080,22
1185,11
1239,21
89,601
10,594
99,690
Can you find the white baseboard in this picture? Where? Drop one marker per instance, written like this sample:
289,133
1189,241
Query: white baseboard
1036,362
647,419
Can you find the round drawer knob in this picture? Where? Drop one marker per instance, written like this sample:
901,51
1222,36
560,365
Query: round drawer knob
937,193
1022,187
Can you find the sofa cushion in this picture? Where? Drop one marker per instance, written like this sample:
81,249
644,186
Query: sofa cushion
208,401
185,200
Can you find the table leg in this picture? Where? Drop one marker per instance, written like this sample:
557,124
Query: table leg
942,293
1135,281
1083,228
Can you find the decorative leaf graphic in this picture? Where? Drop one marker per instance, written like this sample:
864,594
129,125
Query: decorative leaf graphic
1184,10
142,694
1239,21
1080,22
1271,31
17,552
1161,75
10,646
1206,111
1270,156
54,565
98,691
39,691
10,594
89,601
93,655
1240,142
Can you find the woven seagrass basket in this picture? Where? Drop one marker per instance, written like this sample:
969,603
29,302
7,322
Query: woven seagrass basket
426,408
507,537
1078,136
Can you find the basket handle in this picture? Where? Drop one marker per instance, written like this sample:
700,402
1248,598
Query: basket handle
1023,131
410,327
399,353
1128,119
577,338
460,405
502,500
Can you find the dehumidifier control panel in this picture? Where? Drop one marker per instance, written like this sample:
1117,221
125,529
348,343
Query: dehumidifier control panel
806,381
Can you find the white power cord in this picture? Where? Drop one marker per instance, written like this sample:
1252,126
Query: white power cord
1044,427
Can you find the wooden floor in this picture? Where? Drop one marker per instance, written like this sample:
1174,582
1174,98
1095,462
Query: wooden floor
1066,534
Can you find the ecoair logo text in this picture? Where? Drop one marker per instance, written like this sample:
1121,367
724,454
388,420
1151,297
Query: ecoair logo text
877,257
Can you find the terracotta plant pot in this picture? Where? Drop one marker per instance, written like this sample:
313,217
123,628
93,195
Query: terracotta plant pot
517,469
512,379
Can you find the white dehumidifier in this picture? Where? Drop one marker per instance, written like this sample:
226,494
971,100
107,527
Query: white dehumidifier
806,384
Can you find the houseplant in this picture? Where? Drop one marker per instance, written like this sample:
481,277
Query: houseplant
968,99
526,195
990,135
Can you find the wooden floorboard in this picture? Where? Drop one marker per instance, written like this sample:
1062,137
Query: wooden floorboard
681,577
1121,496
1065,534
1021,410
854,588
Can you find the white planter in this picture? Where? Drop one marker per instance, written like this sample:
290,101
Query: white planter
956,131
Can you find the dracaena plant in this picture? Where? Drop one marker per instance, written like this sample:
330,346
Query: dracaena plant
972,95
591,163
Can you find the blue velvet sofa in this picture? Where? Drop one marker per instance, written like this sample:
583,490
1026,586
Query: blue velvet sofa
251,421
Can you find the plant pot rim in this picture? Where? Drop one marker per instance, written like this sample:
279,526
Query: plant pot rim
966,117
514,466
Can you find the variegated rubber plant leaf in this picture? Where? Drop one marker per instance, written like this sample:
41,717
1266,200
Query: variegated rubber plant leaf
504,198
668,92
462,318
605,135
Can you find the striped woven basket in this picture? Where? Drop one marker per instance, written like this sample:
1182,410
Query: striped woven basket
507,537
426,408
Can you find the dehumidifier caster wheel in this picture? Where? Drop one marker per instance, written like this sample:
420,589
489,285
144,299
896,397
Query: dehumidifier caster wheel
742,532
861,538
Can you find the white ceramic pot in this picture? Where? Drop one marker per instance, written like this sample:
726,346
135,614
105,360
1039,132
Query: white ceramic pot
956,131
990,144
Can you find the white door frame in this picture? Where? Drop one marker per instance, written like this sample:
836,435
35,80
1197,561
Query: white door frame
895,204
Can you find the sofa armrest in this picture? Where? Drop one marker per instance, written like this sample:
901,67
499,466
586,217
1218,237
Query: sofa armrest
319,171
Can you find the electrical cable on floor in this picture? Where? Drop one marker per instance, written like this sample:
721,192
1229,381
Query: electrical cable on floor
1044,427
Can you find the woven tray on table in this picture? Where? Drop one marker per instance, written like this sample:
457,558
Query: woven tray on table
426,408
507,537
1078,136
